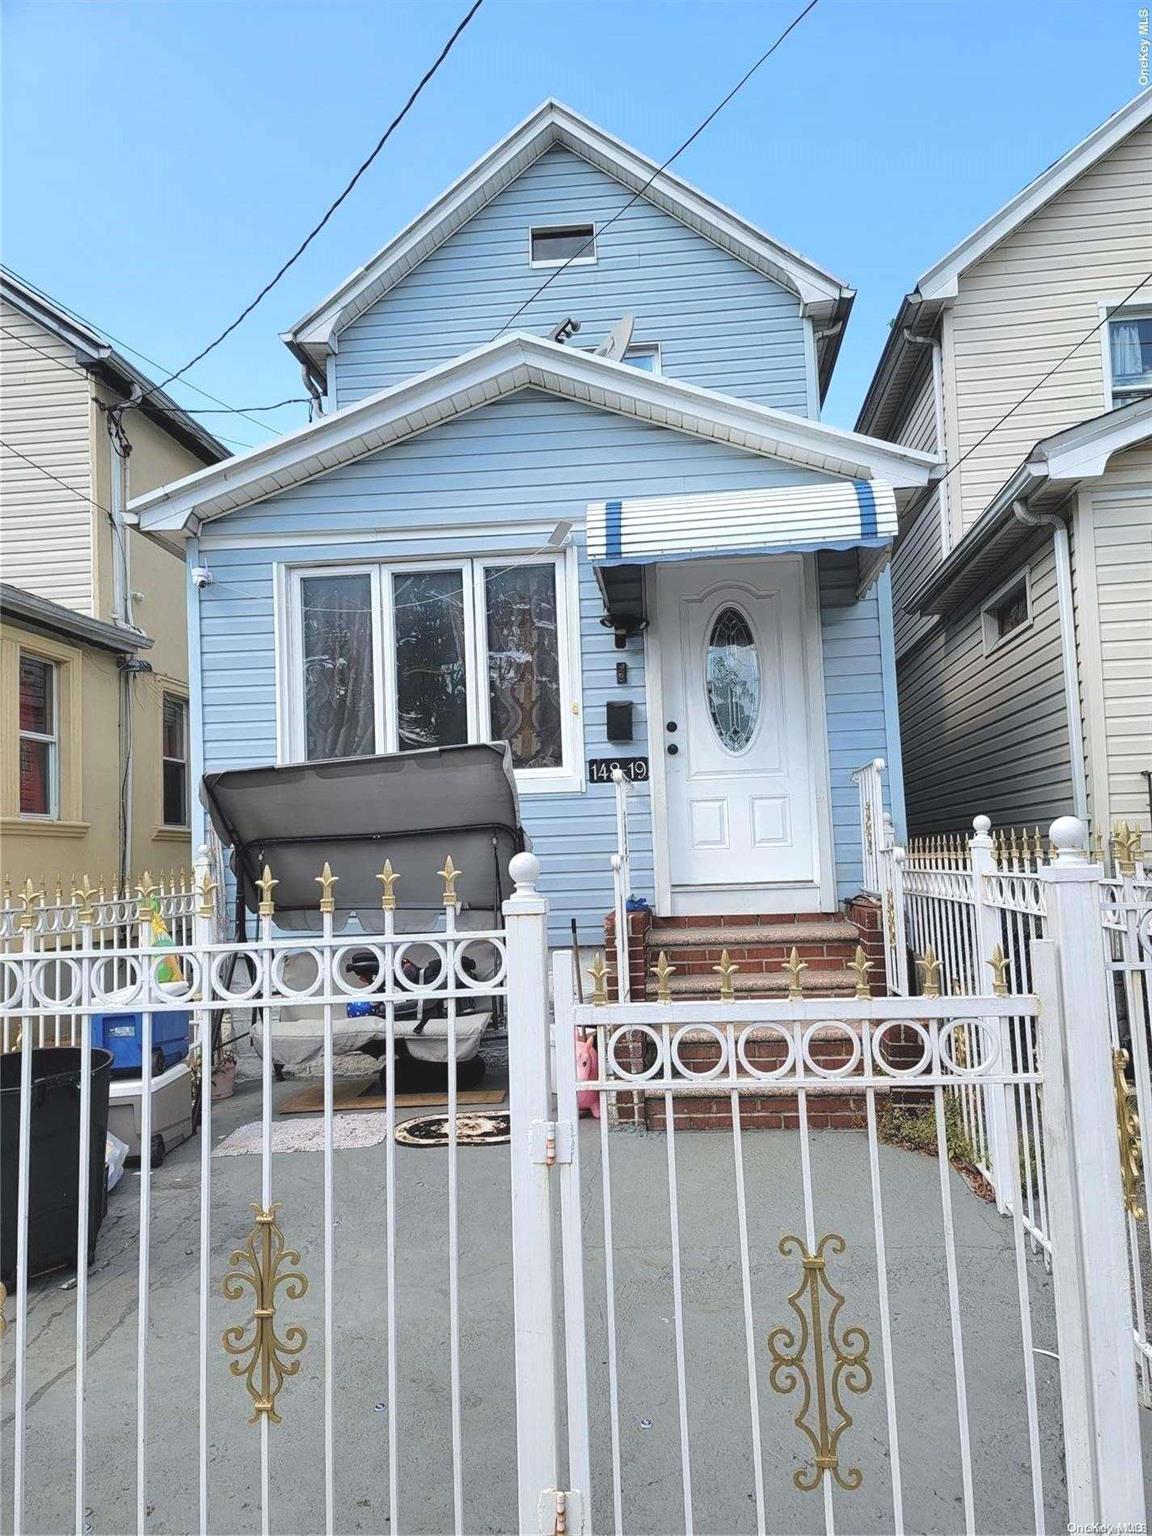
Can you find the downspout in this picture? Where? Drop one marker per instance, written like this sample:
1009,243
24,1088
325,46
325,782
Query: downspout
1062,554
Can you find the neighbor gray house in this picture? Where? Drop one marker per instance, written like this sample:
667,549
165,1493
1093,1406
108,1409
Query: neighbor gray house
1022,580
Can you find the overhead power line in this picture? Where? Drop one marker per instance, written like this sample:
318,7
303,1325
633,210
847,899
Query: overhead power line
1012,409
49,475
317,227
675,155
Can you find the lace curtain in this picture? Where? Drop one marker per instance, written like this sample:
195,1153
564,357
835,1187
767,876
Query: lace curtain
339,709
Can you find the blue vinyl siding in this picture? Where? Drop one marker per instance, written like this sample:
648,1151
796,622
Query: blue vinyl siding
497,480
719,323
860,707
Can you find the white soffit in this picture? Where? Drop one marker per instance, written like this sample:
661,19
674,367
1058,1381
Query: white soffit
515,362
553,124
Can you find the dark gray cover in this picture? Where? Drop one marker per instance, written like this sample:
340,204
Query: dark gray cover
415,808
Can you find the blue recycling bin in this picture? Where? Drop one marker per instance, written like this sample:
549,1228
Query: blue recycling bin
123,1035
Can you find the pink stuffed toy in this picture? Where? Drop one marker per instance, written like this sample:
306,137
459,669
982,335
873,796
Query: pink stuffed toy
587,1068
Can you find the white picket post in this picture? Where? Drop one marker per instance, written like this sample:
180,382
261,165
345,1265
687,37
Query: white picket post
988,935
1089,1255
529,1100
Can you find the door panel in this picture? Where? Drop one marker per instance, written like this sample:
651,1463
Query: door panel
739,781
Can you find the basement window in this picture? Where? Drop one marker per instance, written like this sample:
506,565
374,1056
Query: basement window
1007,612
554,245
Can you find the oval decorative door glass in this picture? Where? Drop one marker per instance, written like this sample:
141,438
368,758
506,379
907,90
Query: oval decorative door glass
732,679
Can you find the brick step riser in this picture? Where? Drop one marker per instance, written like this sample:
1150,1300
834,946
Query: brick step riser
829,957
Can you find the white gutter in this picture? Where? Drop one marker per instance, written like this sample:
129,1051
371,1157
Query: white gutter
1062,554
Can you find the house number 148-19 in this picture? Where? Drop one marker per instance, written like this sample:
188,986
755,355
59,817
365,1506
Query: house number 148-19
634,769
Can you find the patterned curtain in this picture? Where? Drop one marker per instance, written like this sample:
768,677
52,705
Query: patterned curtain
524,664
339,709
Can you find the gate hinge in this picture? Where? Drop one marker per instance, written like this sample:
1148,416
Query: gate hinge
552,1141
561,1512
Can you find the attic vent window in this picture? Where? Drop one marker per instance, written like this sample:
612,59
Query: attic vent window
1007,611
553,245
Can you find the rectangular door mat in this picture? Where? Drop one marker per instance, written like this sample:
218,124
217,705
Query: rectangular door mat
358,1095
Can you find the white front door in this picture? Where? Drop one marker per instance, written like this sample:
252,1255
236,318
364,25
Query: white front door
738,760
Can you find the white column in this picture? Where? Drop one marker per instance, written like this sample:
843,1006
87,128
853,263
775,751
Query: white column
529,1099
1089,1259
989,936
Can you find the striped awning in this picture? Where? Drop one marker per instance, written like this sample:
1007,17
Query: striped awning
786,519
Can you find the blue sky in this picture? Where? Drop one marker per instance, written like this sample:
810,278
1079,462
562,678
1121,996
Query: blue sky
160,159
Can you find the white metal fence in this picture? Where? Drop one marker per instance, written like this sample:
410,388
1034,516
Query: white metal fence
718,1296
972,904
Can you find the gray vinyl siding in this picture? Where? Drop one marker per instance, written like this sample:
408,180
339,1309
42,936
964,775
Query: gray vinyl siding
498,479
46,529
918,548
988,734
719,323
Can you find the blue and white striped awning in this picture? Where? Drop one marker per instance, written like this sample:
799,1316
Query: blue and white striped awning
781,520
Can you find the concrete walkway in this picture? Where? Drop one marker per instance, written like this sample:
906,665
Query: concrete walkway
720,1465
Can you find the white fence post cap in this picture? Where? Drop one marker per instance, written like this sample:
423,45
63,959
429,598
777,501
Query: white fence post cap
981,825
1069,836
525,871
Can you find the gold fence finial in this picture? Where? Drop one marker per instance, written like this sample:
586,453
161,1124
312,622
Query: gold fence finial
265,886
144,891
82,895
205,890
599,974
450,874
929,967
860,966
7,890
388,878
326,880
1128,1132
27,898
663,973
999,963
1126,842
795,968
726,970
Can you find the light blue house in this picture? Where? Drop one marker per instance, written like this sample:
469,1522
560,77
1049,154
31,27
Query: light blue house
617,542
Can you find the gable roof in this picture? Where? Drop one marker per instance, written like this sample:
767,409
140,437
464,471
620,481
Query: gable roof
514,362
102,360
1043,481
920,309
554,125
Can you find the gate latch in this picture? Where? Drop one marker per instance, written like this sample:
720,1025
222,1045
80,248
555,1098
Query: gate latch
551,1141
561,1512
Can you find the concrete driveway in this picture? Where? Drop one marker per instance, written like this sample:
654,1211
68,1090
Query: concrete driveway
717,1373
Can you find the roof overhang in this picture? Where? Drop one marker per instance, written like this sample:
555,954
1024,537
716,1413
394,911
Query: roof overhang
1043,482
46,617
920,310
823,297
516,362
104,363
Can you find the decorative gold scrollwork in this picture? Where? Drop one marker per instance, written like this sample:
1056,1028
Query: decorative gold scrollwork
663,973
837,1364
890,917
795,968
1128,1132
726,970
264,1357
599,974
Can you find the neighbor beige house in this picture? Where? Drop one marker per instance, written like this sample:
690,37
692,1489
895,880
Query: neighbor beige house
1022,581
94,730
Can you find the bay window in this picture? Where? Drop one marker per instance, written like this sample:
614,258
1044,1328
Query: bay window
395,658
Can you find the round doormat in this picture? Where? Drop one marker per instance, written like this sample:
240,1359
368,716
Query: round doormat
471,1130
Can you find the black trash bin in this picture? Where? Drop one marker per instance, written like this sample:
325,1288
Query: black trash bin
54,1177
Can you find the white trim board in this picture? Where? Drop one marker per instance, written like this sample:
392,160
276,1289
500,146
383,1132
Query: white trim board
516,362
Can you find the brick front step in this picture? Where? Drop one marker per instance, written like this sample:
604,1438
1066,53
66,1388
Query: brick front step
815,982
728,935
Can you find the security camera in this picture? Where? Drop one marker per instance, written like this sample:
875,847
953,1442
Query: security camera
202,576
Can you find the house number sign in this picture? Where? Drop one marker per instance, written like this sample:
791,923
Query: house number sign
635,769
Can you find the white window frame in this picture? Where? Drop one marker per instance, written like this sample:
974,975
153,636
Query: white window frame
185,761
991,638
564,261
649,348
291,735
52,739
1116,309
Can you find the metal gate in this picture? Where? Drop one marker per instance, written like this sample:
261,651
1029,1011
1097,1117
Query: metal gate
763,1291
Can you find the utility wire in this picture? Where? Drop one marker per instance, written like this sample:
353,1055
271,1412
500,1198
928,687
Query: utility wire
48,473
316,228
136,352
1012,409
675,155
